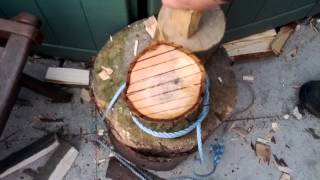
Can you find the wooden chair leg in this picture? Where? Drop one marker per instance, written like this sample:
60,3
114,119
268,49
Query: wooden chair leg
46,89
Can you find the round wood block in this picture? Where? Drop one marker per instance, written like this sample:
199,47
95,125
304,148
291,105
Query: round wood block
118,55
165,83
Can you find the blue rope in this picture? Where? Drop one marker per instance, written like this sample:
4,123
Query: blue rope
171,135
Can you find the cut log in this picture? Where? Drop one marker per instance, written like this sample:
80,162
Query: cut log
165,83
115,55
207,29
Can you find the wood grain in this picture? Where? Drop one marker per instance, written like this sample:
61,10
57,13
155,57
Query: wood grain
164,83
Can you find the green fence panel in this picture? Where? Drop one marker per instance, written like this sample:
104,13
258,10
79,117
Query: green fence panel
69,23
78,28
316,9
101,19
269,9
243,12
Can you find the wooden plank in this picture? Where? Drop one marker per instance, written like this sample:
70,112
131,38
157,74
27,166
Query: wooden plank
59,163
68,76
69,23
253,44
105,18
14,7
11,66
28,154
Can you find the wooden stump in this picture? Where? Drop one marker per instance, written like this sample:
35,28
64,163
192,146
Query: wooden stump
117,55
165,83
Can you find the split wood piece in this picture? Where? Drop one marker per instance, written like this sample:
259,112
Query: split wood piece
68,76
165,83
28,154
254,46
115,55
281,38
59,163
177,26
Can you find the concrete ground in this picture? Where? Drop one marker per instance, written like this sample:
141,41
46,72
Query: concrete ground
275,86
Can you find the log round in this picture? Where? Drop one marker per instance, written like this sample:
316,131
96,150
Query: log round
204,42
118,54
165,83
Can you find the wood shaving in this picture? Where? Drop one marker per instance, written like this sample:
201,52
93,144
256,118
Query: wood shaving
135,50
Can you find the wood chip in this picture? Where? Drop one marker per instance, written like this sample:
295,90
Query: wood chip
263,151
108,70
275,126
135,50
285,169
100,132
248,78
263,140
104,75
286,116
67,76
296,113
281,38
285,176
151,26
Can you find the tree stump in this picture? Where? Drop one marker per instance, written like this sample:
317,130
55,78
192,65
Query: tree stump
118,55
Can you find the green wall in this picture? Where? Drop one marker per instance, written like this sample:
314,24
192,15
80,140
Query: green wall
78,28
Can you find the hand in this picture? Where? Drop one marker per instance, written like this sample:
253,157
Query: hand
193,4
